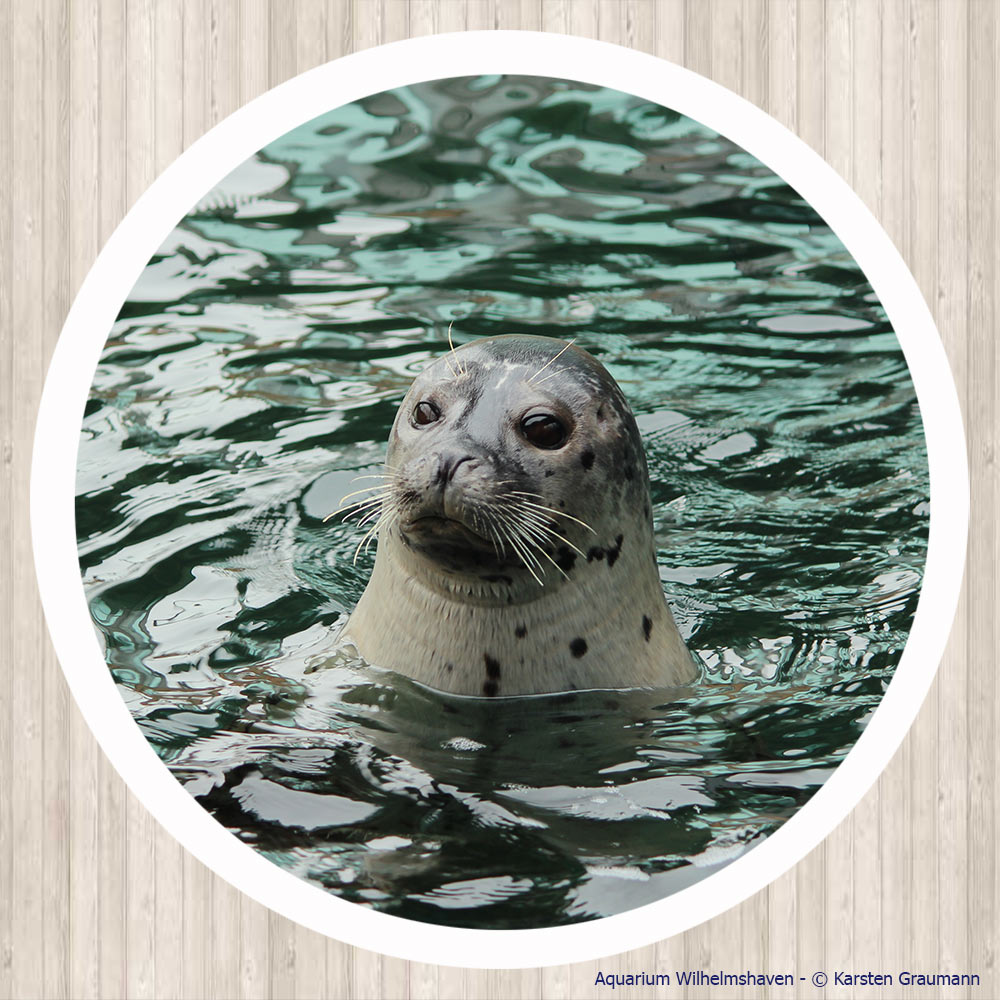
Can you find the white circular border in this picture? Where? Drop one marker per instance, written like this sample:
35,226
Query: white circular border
140,235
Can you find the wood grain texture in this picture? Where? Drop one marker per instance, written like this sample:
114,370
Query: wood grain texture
99,96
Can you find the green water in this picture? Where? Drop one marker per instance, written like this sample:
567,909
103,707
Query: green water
254,372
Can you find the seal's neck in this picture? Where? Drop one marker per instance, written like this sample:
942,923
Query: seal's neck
607,625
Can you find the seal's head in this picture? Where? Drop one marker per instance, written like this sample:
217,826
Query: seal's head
516,505
508,458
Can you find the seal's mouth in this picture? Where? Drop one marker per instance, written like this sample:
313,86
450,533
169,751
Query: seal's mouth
440,526
450,543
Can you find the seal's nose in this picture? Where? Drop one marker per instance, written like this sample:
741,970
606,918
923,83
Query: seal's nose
448,464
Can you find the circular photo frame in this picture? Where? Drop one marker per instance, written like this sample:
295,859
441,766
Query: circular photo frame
142,233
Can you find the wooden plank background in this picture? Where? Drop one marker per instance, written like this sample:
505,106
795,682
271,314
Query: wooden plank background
900,96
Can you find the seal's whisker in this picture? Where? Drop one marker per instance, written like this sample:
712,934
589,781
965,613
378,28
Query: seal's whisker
510,532
367,489
494,519
352,509
458,363
521,550
506,540
374,503
369,516
374,486
569,344
525,558
542,530
535,546
529,543
364,516
477,523
390,471
538,540
549,510
532,518
380,523
558,371
559,568
446,358
533,497
358,505
559,513
490,528
379,493
368,536
521,521
533,539
486,527
372,535
383,491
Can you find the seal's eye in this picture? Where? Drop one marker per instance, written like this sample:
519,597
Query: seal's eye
544,431
425,413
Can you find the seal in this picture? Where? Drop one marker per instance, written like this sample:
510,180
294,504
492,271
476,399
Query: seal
515,540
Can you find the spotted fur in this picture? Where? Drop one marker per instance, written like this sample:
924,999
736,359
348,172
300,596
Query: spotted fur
494,554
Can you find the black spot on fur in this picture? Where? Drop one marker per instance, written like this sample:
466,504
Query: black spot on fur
549,472
587,459
562,503
449,667
492,666
521,631
578,647
600,412
630,472
490,688
595,553
565,559
647,626
614,553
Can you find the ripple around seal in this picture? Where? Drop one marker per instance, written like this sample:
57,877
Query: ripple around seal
254,373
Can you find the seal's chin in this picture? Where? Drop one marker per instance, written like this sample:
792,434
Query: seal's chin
450,543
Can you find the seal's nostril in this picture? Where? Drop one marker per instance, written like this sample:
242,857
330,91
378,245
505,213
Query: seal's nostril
448,466
461,461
